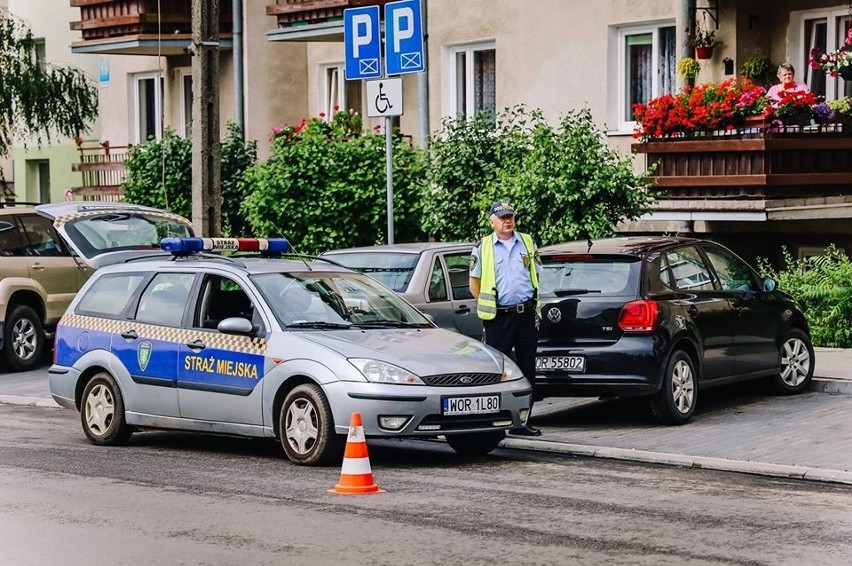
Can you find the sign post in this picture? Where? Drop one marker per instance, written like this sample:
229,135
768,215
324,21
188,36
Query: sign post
404,54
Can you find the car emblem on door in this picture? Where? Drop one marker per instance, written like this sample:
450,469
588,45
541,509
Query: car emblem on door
144,354
554,315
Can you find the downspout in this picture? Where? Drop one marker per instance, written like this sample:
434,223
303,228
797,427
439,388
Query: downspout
423,82
239,117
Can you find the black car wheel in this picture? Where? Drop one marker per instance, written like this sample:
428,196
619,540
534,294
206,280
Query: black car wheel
306,428
102,412
796,363
24,343
475,443
675,402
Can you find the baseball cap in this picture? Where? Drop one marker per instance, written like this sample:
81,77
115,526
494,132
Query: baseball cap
501,209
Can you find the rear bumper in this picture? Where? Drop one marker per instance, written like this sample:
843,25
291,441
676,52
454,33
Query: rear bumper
629,367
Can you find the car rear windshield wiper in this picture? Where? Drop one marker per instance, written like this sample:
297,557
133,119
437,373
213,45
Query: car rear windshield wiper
319,324
390,323
565,292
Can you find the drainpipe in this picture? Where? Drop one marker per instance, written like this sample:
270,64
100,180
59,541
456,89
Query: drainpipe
423,82
239,118
687,22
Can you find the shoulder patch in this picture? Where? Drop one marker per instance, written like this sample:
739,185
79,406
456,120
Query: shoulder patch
472,262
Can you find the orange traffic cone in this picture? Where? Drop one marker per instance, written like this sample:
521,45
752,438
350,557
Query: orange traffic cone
356,476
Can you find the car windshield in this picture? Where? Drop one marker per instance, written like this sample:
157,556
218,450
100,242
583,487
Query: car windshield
334,300
111,232
569,275
392,269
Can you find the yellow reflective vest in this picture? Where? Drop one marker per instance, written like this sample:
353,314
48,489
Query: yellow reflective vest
486,305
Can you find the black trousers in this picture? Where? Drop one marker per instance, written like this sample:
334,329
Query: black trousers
515,331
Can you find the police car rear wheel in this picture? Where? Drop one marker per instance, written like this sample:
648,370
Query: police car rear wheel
306,427
102,412
475,443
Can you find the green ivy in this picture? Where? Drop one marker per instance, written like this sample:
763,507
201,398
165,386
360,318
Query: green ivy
324,186
36,100
564,181
823,287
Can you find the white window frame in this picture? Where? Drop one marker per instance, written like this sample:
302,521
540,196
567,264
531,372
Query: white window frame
332,94
158,105
182,73
450,92
618,44
798,55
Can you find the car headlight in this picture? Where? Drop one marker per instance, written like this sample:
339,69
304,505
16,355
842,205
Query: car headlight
511,371
380,372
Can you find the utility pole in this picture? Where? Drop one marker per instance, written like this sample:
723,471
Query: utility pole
206,147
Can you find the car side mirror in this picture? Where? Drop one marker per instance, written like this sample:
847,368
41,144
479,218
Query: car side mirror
235,325
769,284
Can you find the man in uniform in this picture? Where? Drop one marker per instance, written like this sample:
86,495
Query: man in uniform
504,280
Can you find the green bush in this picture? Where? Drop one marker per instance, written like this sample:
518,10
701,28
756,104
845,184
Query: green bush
564,181
823,287
160,175
324,186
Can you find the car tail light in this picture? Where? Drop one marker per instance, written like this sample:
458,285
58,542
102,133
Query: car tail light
638,316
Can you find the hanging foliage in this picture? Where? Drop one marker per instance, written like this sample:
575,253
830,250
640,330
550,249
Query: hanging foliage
39,101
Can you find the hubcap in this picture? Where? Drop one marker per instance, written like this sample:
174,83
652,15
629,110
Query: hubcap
100,409
24,339
795,362
301,426
683,387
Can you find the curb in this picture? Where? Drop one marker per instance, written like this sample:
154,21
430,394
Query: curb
681,460
28,401
833,385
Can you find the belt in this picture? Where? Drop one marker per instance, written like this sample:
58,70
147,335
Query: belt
520,307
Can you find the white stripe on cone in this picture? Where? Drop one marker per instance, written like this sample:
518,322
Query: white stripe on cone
356,434
356,466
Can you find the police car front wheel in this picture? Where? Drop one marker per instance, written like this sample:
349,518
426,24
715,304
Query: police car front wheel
306,427
102,411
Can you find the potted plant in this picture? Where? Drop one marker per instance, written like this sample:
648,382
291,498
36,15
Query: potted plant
703,41
688,68
759,69
834,62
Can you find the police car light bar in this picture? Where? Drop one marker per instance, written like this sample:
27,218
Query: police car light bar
182,246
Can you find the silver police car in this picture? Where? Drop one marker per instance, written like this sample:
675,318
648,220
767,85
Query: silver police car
279,347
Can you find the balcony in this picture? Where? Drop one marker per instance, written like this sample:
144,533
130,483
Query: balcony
758,171
141,27
103,171
312,20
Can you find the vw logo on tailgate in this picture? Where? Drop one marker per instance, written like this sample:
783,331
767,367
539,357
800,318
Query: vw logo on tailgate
554,315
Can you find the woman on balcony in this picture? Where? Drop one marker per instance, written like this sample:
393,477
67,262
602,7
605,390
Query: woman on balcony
788,84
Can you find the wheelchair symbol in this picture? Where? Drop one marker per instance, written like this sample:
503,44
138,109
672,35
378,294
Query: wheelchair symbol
382,102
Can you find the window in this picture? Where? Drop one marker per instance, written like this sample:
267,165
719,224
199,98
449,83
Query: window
333,90
164,300
688,270
459,267
222,298
825,30
733,273
186,102
646,66
10,241
41,237
109,295
437,283
148,103
473,84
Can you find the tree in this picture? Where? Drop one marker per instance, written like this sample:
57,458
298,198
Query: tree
36,100
564,181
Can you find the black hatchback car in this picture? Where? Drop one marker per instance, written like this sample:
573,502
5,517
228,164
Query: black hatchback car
663,317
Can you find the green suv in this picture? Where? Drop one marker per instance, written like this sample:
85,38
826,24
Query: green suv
48,251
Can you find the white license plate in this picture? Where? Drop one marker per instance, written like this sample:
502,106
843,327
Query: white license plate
452,406
574,364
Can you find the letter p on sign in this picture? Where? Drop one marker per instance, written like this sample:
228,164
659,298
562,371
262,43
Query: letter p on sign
403,25
361,25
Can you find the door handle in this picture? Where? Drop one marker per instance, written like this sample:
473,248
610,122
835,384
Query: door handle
464,309
196,344
129,335
692,310
37,266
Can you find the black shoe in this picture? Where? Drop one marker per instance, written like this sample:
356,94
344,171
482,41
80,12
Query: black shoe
528,430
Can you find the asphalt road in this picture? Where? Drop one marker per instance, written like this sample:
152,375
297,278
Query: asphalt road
178,498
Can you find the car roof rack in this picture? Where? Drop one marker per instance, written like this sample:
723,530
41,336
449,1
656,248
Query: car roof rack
8,203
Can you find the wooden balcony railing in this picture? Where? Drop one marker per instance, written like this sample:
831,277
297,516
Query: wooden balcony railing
103,171
793,162
101,19
295,13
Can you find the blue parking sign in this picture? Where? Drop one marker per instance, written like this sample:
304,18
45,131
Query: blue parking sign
362,42
404,38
